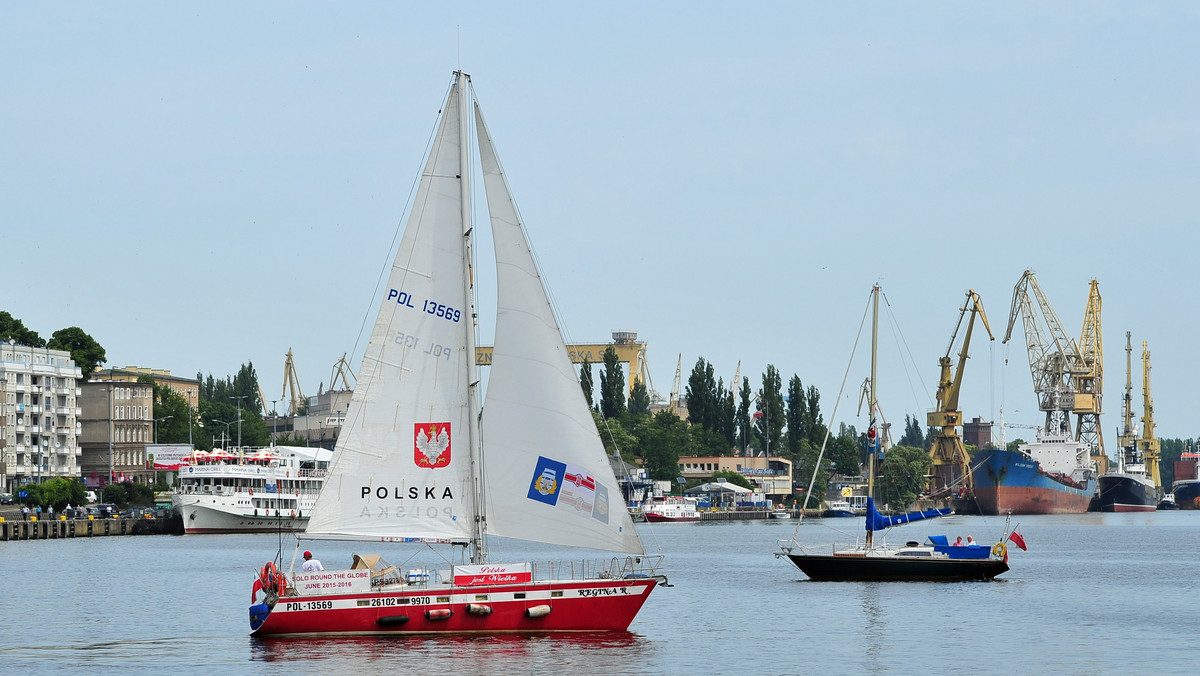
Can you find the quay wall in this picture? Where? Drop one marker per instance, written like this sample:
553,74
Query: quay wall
86,528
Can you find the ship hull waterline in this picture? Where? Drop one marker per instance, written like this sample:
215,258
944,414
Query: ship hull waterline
537,607
843,568
199,519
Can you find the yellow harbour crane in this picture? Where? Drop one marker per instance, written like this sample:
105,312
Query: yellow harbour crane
340,369
1054,359
951,463
292,381
1148,442
1090,382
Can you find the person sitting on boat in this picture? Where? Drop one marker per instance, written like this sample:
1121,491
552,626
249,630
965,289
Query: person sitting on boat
971,542
310,564
958,542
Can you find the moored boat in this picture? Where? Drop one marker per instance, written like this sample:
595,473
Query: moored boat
670,508
1134,485
255,490
1187,493
1131,491
1186,489
1053,475
837,509
420,460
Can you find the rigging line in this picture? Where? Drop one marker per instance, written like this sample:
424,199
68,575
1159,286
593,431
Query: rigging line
832,418
617,450
901,341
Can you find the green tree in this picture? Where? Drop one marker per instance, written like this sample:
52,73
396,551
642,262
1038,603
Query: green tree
703,398
814,422
61,491
795,414
913,435
639,399
115,494
770,420
662,444
745,430
843,452
586,382
612,385
14,329
803,471
173,417
735,478
223,402
85,351
901,478
620,437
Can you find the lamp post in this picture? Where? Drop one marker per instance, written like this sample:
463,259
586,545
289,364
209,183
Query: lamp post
226,424
239,418
156,422
274,421
153,463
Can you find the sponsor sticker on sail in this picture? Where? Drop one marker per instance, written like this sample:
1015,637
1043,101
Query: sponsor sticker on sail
568,487
431,445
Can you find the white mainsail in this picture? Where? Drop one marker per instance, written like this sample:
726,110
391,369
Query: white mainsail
402,469
547,475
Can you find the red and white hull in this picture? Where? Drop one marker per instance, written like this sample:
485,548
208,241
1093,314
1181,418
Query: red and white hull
596,605
655,517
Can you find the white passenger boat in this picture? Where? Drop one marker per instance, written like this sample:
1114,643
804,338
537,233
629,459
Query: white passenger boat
250,490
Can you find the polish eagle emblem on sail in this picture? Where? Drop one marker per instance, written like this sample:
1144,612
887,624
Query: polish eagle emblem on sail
431,447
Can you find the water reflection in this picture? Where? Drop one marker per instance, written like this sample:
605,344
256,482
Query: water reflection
473,653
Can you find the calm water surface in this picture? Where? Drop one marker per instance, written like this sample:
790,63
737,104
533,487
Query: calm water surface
1095,594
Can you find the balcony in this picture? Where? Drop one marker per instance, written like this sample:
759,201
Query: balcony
64,429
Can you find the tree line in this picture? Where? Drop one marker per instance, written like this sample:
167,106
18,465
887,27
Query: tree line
724,420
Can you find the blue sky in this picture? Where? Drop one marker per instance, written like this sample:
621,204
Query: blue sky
198,185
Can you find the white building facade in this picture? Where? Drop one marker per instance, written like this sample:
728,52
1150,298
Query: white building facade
39,415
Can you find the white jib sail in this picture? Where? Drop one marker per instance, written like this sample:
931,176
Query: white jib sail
547,474
402,465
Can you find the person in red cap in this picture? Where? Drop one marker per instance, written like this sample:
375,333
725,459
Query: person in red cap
310,564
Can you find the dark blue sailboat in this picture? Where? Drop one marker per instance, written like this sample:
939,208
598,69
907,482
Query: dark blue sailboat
936,560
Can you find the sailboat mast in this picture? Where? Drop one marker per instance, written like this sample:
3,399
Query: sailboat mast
478,542
871,403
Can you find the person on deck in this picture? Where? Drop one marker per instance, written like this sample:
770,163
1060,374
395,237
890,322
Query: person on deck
971,542
310,564
958,542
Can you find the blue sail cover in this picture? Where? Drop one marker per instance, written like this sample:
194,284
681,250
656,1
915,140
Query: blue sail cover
877,521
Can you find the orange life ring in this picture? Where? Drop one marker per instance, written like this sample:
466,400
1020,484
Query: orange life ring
272,579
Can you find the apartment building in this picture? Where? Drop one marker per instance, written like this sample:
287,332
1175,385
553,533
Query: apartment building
39,415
